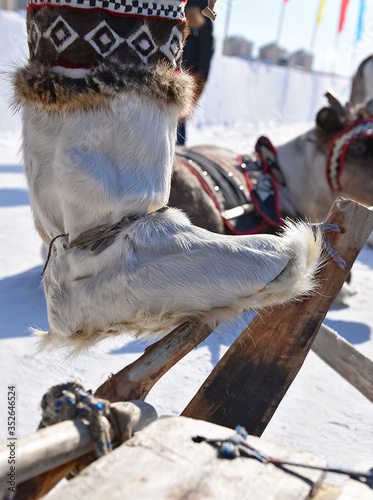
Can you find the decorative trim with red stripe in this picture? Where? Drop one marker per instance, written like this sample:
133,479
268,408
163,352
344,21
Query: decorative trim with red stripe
338,149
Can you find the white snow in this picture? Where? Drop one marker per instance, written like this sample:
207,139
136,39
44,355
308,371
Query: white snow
321,413
251,91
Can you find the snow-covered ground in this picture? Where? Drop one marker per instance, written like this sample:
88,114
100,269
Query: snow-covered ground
321,413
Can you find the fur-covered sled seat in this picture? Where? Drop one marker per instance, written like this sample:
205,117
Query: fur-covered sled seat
101,98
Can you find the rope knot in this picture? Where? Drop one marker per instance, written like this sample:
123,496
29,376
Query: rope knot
69,401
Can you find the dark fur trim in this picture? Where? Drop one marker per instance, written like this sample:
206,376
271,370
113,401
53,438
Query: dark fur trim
38,85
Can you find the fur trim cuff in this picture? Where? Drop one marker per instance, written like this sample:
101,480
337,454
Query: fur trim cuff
38,85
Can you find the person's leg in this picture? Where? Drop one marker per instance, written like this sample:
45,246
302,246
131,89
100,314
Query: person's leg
101,98
181,133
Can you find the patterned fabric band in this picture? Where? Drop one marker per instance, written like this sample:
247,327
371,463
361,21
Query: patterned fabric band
168,9
338,149
83,33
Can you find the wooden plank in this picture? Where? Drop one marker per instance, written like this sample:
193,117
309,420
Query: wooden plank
248,384
345,359
41,485
163,463
327,492
355,490
48,448
135,380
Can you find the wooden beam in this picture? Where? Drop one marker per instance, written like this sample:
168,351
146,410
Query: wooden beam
162,462
47,449
248,384
40,486
345,359
327,492
135,380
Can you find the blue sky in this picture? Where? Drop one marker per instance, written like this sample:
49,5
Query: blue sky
257,20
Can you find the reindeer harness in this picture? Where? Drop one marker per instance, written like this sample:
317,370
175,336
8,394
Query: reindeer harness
244,191
338,148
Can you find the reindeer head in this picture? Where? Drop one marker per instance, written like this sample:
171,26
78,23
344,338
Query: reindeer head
346,135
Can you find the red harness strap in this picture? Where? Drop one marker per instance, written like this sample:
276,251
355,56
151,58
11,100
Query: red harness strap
338,148
251,177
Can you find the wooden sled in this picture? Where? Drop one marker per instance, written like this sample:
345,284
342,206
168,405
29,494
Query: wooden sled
245,388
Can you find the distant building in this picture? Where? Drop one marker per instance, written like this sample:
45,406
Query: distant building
272,53
238,46
301,59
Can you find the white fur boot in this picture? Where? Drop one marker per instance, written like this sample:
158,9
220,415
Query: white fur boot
101,98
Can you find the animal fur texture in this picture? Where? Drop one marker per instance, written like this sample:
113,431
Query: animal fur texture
98,147
94,167
37,84
160,269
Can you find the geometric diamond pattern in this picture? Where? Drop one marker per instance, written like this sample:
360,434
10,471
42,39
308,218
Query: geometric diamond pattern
173,48
103,39
34,36
142,42
61,34
83,32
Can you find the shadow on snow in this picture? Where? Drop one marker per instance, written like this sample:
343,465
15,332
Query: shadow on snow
14,197
11,169
355,333
22,304
224,336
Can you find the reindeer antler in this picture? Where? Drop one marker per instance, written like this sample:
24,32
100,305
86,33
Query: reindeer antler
335,103
346,113
209,10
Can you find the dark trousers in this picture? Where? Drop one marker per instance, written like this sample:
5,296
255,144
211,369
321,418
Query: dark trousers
181,134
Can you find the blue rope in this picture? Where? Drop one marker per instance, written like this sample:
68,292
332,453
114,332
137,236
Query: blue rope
237,446
327,228
68,401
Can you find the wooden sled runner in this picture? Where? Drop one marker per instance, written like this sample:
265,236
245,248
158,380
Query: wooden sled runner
245,388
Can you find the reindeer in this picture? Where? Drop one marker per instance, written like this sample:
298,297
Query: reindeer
362,82
101,97
303,176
